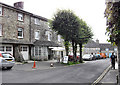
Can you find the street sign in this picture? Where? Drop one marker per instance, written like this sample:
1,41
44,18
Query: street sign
65,59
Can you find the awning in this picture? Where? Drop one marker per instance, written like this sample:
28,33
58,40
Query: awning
58,48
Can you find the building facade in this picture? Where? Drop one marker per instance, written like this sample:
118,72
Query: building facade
25,34
96,47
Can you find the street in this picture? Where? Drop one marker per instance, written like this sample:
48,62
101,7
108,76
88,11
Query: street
87,72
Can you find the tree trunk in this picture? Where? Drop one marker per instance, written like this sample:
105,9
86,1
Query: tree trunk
75,51
118,64
80,49
73,46
66,47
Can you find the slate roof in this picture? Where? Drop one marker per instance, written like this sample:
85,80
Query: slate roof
102,46
91,44
23,11
46,43
13,41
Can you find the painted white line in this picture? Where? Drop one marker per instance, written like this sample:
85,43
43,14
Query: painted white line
101,76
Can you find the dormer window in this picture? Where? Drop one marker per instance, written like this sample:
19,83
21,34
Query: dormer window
0,11
37,21
20,16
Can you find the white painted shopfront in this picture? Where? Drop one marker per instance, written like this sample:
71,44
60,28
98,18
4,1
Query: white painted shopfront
6,48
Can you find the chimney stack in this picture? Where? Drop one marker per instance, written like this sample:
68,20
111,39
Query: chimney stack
19,5
97,41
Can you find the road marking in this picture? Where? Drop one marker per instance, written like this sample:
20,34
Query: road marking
101,76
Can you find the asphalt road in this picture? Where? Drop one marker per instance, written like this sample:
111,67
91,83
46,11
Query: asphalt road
87,72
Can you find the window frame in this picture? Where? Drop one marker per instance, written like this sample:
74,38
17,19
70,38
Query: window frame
59,38
22,32
1,10
37,21
1,30
38,37
49,36
21,15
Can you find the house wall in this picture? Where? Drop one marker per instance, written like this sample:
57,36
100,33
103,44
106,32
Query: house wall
11,24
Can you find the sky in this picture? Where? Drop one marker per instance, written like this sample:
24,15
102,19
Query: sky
91,11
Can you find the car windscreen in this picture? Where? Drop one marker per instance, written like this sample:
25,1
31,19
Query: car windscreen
6,55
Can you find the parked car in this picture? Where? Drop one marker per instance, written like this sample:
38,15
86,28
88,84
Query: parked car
87,57
7,61
103,55
98,56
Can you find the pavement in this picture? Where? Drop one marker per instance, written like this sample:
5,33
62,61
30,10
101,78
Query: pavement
41,65
110,77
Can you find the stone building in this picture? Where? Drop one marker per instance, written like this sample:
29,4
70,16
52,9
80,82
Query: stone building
14,31
24,33
96,47
44,39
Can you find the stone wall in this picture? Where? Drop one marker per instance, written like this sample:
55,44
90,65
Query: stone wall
11,24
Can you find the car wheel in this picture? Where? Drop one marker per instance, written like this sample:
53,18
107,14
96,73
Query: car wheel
9,67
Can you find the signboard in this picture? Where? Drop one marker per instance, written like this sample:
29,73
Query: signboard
65,59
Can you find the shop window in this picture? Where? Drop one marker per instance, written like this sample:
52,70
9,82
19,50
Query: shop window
8,48
1,48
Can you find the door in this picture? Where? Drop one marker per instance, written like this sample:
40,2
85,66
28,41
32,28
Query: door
25,52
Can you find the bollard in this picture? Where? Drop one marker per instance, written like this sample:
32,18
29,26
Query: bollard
117,78
51,64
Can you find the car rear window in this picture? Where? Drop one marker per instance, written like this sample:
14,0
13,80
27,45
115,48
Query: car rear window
6,55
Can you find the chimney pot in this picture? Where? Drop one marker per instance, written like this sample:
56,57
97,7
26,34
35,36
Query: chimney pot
19,5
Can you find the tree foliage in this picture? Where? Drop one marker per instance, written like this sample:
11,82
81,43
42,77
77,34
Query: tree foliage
72,28
66,23
112,13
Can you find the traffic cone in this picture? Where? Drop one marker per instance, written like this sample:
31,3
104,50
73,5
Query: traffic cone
34,65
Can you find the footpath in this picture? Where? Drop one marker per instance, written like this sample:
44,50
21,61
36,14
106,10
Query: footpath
41,65
110,77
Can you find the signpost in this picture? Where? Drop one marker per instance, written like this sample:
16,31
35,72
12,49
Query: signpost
65,59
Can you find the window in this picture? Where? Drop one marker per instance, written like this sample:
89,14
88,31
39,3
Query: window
20,16
1,48
20,32
0,30
49,36
59,38
8,48
23,48
37,35
37,21
0,11
36,51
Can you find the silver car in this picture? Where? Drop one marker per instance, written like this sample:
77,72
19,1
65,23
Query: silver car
7,61
87,57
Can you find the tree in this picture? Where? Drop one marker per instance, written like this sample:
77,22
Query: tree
66,23
84,35
112,14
